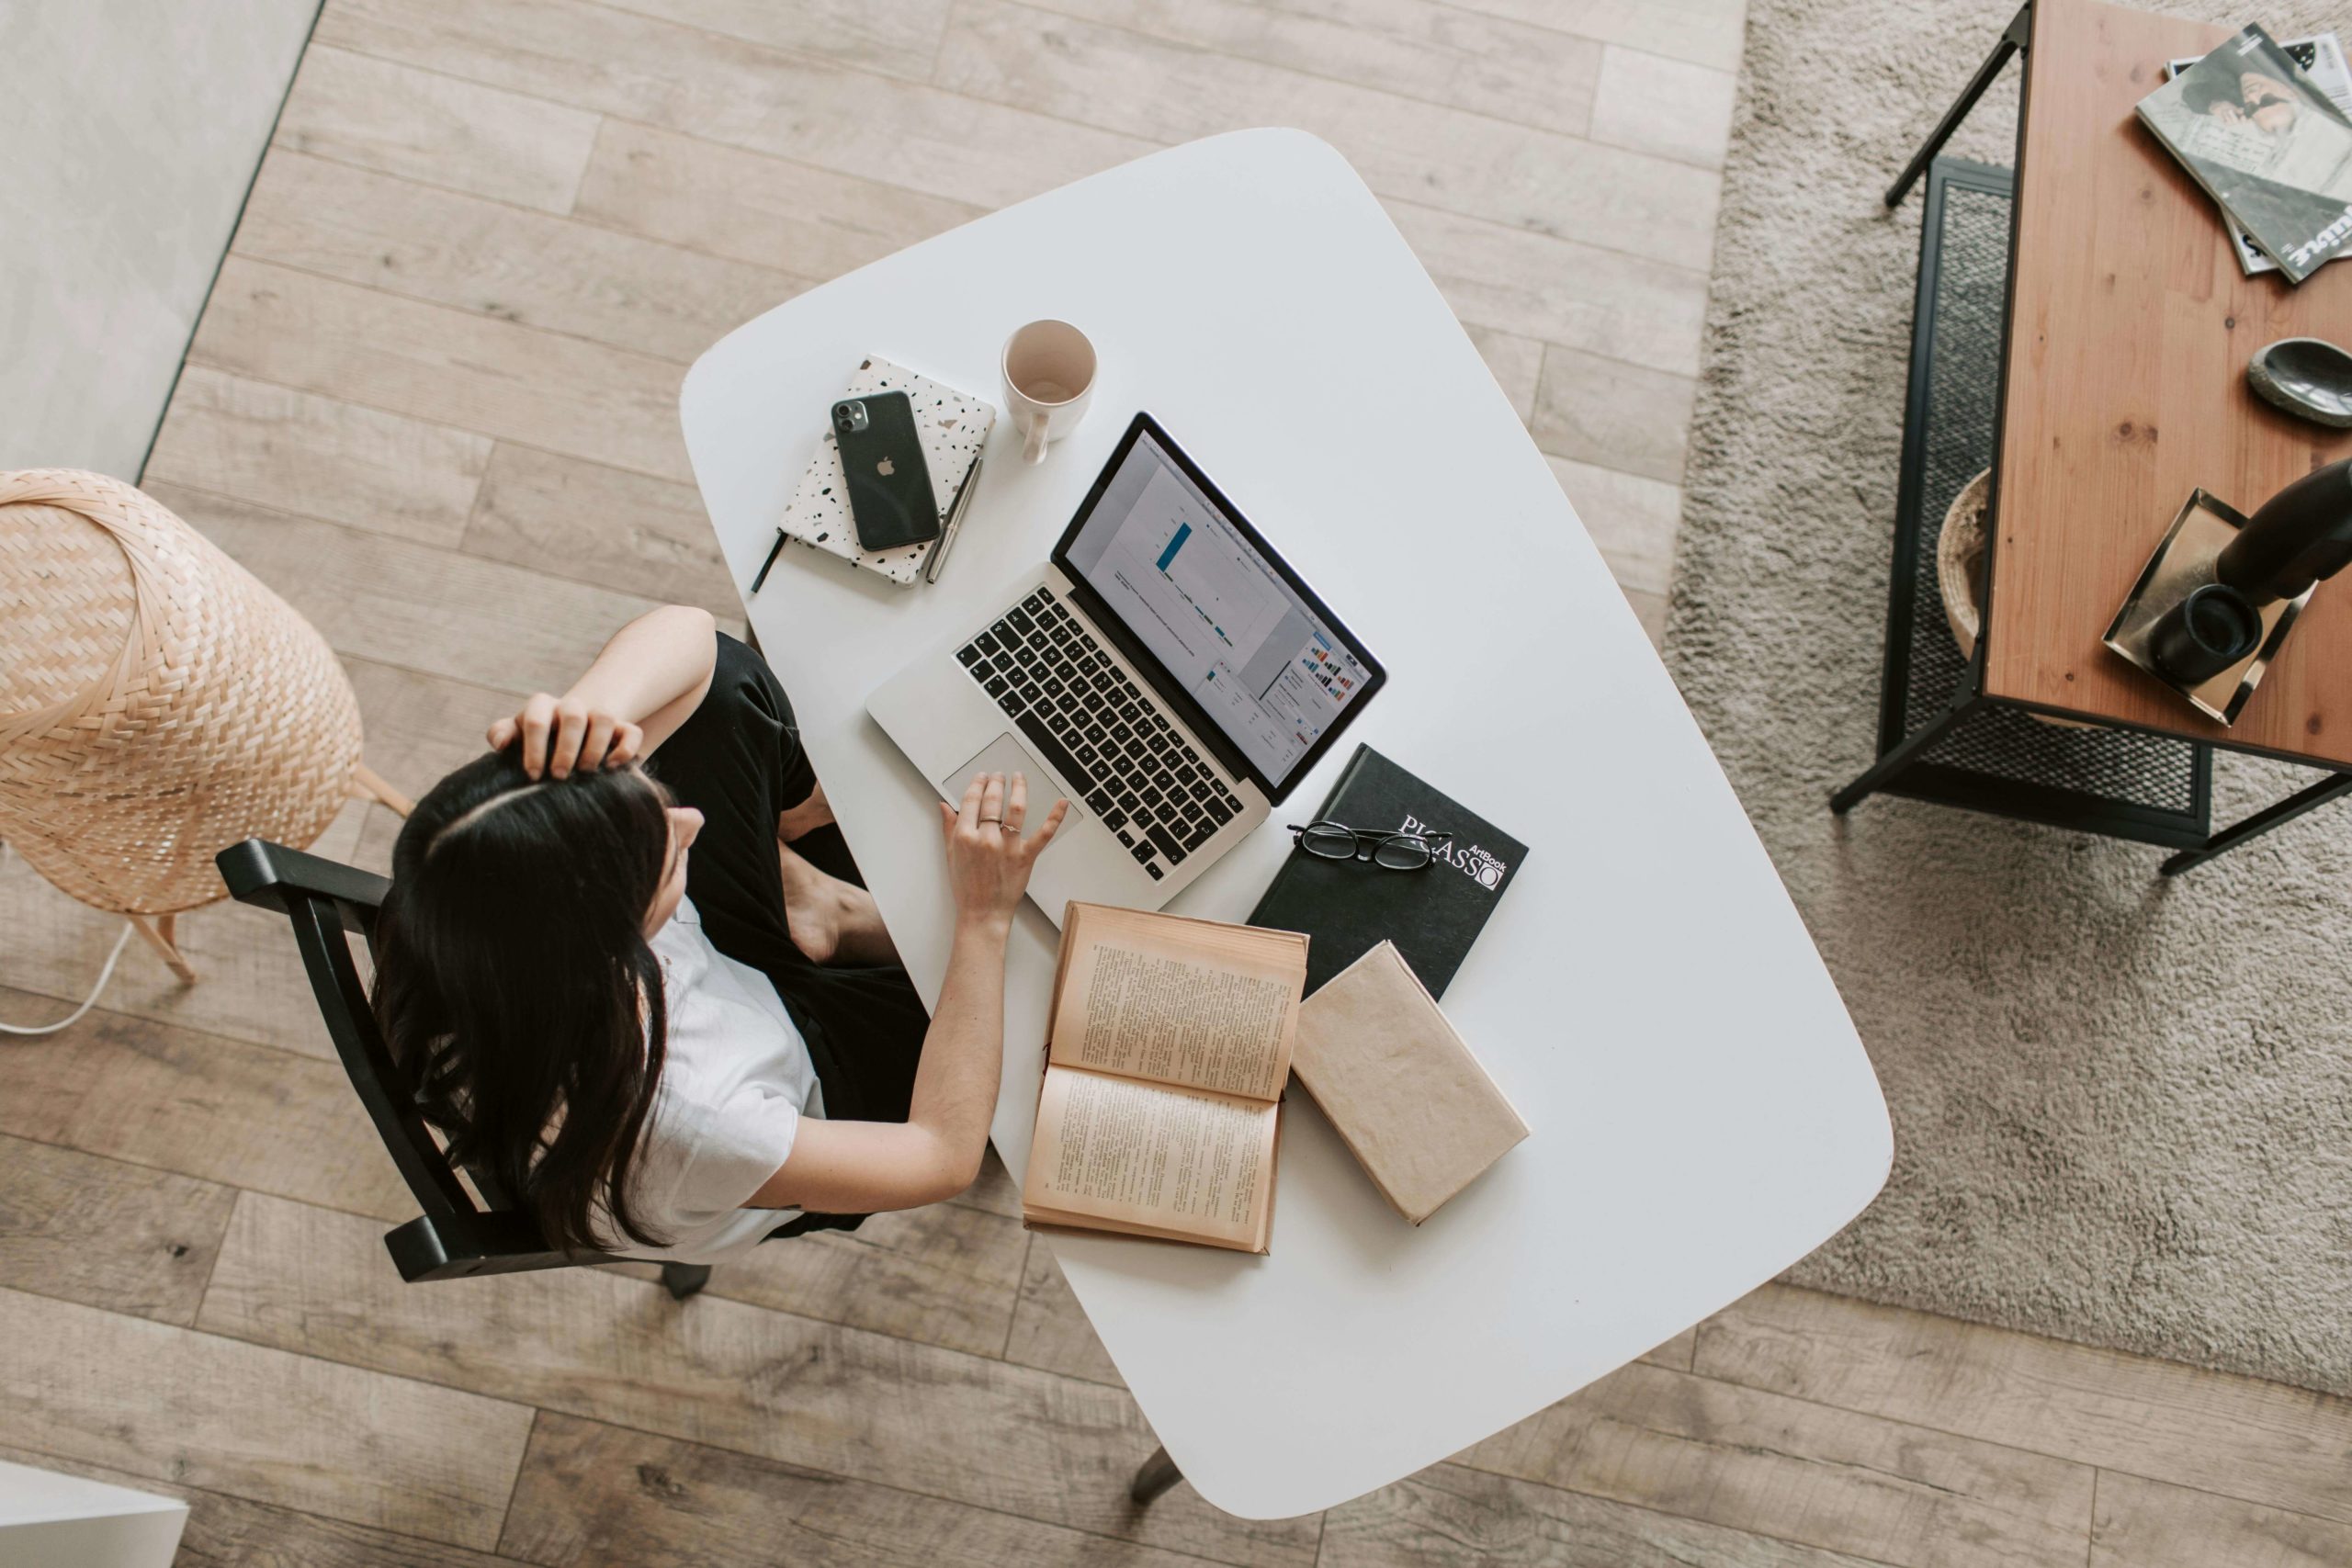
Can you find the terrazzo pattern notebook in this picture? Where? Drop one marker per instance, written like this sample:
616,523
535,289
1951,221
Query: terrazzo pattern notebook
954,426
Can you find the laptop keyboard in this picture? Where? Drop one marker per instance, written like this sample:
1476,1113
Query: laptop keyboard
1082,716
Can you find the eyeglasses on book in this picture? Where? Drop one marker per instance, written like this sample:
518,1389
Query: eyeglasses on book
1390,851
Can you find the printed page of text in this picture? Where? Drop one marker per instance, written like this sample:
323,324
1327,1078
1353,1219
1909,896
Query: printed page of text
1140,1154
1190,1003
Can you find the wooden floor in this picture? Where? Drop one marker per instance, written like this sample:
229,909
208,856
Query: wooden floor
433,403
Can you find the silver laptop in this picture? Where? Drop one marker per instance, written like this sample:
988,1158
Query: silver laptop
1164,670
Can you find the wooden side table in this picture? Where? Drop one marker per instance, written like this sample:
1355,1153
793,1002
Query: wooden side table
2122,336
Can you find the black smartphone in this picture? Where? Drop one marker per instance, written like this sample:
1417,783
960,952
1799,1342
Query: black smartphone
889,484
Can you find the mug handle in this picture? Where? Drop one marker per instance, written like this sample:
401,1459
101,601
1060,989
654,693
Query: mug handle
1032,448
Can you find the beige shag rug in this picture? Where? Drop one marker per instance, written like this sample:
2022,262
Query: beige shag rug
2122,1107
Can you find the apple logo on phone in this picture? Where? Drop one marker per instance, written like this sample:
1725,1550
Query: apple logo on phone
884,467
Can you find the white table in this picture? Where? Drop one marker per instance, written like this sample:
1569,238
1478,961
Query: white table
1703,1115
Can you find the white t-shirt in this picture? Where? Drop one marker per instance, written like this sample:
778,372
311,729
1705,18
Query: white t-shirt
735,1084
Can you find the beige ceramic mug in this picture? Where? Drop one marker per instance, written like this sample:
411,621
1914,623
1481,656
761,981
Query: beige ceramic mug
1048,380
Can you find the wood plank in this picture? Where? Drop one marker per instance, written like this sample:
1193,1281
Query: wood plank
224,1531
566,517
1801,1472
897,40
1667,108
105,1233
2262,1442
1581,297
1677,1352
2132,323
373,114
716,1371
592,1342
1448,1516
1612,414
420,727
802,219
250,986
592,1495
1416,49
1523,179
395,603
1517,363
508,263
2146,1524
1708,32
453,366
298,452
206,1106
945,1274
1631,519
746,95
293,1430
1050,1330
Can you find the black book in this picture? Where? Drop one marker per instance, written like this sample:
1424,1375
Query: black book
1347,908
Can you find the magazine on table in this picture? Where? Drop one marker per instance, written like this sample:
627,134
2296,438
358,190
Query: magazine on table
2321,58
2249,125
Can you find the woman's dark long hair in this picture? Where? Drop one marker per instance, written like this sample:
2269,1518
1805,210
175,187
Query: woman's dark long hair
515,985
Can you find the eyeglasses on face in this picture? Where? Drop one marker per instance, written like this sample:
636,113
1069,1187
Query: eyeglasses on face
1391,851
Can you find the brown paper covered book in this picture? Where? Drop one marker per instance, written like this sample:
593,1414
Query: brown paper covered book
1161,1114
1399,1085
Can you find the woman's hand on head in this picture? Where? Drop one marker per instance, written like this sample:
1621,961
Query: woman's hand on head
562,734
988,858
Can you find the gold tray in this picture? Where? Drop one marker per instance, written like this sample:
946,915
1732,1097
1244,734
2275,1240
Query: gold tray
2182,564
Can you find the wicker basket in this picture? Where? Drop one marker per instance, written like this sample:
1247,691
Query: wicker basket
157,703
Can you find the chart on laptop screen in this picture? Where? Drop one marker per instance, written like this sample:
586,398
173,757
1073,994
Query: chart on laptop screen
1170,565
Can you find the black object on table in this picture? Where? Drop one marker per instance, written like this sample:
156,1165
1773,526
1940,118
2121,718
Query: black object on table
2206,633
2300,534
1432,915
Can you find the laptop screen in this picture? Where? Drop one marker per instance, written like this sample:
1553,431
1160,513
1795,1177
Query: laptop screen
1230,625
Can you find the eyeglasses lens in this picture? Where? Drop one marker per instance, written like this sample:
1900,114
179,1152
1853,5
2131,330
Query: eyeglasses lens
1332,843
1402,853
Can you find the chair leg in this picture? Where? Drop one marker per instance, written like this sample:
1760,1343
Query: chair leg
2261,822
684,1279
160,933
1158,1474
367,782
1908,751
2018,36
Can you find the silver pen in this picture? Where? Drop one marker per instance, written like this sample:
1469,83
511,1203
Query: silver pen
955,510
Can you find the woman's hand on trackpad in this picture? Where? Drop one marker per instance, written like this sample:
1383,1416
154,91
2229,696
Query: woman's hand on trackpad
988,858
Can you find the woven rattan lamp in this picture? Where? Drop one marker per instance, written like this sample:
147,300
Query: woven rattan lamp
157,704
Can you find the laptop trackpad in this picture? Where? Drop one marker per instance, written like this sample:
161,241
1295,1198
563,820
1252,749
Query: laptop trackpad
1006,755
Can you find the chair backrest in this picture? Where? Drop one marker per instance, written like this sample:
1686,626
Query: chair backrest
329,903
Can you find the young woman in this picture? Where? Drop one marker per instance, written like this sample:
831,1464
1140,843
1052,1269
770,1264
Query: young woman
629,995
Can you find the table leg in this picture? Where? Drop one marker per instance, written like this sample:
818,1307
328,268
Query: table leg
1905,751
2013,39
2261,822
1158,1474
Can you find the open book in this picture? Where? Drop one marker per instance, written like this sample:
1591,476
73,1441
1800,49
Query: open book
1162,1108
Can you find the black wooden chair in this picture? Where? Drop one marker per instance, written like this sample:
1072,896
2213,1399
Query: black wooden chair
455,1237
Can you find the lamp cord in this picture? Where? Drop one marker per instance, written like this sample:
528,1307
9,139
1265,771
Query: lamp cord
105,973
